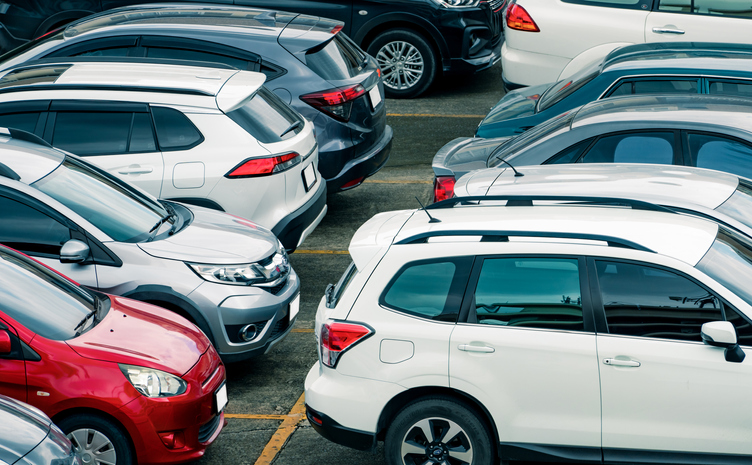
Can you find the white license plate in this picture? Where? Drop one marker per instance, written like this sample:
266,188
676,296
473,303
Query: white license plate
220,397
294,307
375,96
309,177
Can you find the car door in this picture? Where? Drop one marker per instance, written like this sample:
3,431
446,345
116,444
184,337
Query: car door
662,389
116,136
36,230
12,365
699,21
526,350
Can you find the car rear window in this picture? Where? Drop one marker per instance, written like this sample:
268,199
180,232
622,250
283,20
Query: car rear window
267,118
337,59
568,86
531,137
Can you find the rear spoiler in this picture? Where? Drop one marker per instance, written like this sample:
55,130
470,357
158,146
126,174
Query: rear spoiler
307,32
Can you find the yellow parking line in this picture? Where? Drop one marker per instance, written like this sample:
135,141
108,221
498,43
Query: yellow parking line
283,433
322,252
302,330
434,115
255,417
386,181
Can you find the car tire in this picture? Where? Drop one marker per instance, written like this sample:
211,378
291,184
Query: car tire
417,435
407,61
103,441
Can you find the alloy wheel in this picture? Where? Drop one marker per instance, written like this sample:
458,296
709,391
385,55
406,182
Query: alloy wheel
402,64
436,441
94,447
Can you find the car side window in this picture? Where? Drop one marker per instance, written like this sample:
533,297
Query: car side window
196,55
631,4
429,289
569,154
644,147
174,130
730,87
707,7
529,292
106,52
26,121
741,324
92,133
29,230
656,86
645,301
720,153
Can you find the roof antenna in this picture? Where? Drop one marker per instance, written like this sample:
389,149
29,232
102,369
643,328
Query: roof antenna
431,218
516,173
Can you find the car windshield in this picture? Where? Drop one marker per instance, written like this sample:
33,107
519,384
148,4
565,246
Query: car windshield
42,300
729,261
118,210
568,86
38,45
739,205
531,137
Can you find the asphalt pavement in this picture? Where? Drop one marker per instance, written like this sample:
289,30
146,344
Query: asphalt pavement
266,423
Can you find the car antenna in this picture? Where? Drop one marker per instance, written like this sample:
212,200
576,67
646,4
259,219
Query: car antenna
431,218
516,173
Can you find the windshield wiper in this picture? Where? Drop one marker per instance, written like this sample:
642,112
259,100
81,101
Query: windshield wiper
293,126
80,326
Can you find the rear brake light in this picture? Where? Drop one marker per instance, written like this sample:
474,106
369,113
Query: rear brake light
353,183
253,167
335,102
443,188
336,29
518,18
337,337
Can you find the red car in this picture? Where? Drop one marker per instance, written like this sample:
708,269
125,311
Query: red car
126,381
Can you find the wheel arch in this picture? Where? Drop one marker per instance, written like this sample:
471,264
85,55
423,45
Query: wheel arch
62,415
398,402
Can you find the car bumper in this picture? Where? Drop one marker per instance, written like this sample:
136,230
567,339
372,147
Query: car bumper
521,68
295,227
357,170
474,65
333,431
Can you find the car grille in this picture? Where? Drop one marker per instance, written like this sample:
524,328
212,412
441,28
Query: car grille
207,429
280,328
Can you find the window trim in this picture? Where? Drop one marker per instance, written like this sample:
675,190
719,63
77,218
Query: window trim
95,44
643,5
678,160
655,77
689,159
658,10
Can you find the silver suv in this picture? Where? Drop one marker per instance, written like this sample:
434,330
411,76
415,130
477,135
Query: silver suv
229,276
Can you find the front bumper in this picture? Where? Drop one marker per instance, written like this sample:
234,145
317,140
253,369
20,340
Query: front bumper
362,167
295,227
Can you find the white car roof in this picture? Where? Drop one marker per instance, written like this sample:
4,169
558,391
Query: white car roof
660,184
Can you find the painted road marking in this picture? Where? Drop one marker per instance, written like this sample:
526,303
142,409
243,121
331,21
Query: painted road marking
283,433
255,417
302,330
386,181
322,252
434,115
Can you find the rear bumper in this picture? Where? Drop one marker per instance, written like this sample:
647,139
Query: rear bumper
292,229
333,431
521,68
364,166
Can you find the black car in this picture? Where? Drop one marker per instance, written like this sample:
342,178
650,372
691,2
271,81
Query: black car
308,62
413,40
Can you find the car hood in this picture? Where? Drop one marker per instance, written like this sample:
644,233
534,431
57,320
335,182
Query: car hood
22,428
464,154
516,104
215,238
137,333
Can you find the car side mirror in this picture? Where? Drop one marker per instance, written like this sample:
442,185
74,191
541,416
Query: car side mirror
723,334
5,342
74,251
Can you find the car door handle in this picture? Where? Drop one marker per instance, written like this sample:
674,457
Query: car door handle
665,30
136,169
472,348
621,363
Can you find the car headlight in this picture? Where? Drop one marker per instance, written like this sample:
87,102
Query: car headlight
265,273
153,383
458,3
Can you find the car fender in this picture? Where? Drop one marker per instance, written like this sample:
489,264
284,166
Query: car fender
588,57
366,34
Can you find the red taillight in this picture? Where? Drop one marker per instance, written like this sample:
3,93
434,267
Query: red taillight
253,167
335,102
336,29
518,18
443,188
353,183
337,337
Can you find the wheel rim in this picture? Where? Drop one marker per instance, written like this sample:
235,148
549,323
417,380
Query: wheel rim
401,63
436,441
94,447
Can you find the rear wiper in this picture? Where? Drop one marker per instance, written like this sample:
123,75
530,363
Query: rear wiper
293,126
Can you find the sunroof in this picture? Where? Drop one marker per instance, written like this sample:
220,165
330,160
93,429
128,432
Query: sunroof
41,75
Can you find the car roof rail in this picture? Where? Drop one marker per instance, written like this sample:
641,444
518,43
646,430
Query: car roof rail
95,59
503,236
527,201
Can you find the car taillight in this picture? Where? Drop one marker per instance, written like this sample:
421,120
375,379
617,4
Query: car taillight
443,188
518,18
335,102
254,167
337,337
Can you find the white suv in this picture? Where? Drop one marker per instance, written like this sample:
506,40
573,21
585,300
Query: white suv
541,37
210,137
592,333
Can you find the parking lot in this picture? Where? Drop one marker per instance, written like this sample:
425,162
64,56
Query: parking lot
265,413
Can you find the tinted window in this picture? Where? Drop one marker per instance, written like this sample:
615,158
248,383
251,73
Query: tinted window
106,52
742,88
529,292
40,299
739,205
29,230
633,4
566,87
741,324
707,7
534,136
174,130
25,121
656,86
650,147
95,133
267,118
338,59
729,261
720,153
644,301
195,55
569,155
142,134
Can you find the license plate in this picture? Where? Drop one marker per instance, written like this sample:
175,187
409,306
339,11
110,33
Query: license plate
309,177
220,397
375,96
294,307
